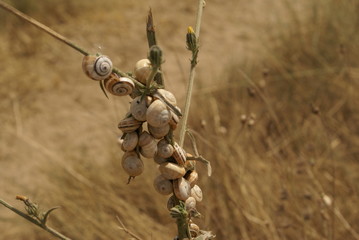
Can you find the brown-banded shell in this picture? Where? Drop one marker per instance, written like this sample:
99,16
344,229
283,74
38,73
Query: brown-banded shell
164,149
129,124
148,145
130,141
159,132
172,202
194,230
139,107
179,154
97,67
162,93
192,177
158,115
163,185
182,189
190,204
119,86
142,70
196,192
171,171
132,164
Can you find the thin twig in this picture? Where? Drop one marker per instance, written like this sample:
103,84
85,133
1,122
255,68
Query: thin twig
34,221
126,230
201,4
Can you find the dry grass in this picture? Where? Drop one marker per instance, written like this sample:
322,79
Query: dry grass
272,180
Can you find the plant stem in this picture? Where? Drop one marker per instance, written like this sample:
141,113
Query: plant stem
201,4
34,221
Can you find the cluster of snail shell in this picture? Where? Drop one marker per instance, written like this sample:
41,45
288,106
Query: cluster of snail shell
177,174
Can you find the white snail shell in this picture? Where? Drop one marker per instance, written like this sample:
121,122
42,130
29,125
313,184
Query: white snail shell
163,185
166,95
139,107
97,67
171,171
192,177
119,86
130,141
157,114
179,154
132,164
129,124
148,145
190,204
159,132
182,189
164,149
142,70
194,230
196,192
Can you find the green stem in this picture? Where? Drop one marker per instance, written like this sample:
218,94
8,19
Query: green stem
34,221
201,4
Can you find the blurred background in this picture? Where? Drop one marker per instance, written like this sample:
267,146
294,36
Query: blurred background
275,110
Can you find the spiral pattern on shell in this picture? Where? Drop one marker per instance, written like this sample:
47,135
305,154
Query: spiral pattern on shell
97,67
119,86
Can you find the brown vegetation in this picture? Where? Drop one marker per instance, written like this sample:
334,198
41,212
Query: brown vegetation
275,110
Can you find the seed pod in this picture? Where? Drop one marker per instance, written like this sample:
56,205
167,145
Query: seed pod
182,189
179,154
157,114
171,170
164,149
148,145
142,70
192,177
130,141
196,192
190,204
129,124
162,93
159,132
132,164
163,185
97,67
139,107
119,86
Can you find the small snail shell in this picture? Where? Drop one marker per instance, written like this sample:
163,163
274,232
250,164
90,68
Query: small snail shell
174,119
148,145
166,95
194,230
119,86
157,114
142,70
182,189
97,67
159,132
190,204
132,164
171,171
192,177
172,202
196,192
129,124
130,141
163,185
159,159
139,106
164,149
179,154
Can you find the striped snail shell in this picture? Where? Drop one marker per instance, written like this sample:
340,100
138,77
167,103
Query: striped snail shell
179,154
129,124
119,86
97,67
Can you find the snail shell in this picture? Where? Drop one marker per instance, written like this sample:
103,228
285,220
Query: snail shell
171,171
139,107
196,192
163,185
159,159
164,149
129,124
159,132
192,177
190,204
142,70
97,67
162,93
132,164
119,86
172,202
179,154
148,145
182,189
130,141
157,114
194,230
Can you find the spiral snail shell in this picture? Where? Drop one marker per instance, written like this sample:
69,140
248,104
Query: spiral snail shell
142,70
139,107
157,114
97,67
182,189
179,154
192,177
171,171
163,185
162,93
164,149
132,164
194,230
148,145
190,204
119,86
159,132
130,141
196,192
